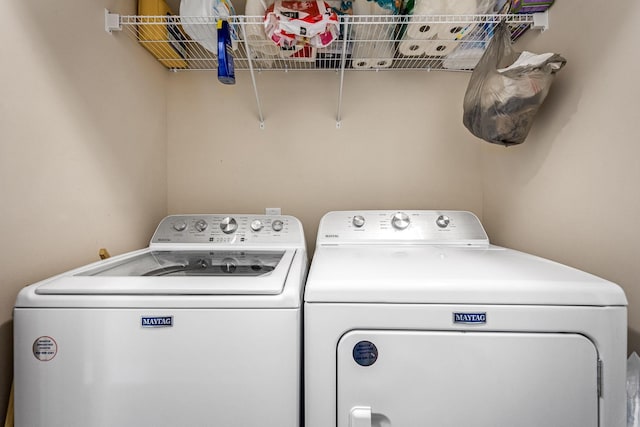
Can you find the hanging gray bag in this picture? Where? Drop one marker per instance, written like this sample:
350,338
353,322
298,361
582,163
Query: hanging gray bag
506,89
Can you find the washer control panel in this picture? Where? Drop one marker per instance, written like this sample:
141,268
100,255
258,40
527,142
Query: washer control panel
411,226
229,229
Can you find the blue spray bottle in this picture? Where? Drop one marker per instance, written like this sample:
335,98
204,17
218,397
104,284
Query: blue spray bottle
226,73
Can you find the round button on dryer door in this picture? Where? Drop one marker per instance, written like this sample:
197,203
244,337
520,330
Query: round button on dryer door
443,221
228,225
257,225
201,225
400,220
358,221
277,225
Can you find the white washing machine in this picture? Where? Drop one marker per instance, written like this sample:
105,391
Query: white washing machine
414,319
202,328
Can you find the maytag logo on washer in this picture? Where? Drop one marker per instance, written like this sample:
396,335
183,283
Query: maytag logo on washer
157,321
470,318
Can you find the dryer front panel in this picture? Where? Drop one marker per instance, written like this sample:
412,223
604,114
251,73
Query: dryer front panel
452,379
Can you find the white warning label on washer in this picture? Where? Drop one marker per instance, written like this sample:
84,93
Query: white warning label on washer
45,348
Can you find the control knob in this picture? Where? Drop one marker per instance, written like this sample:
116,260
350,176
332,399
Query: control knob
443,221
228,225
201,225
277,225
257,225
358,221
400,220
180,226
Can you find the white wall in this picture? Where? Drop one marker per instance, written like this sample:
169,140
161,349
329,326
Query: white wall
571,191
83,146
401,145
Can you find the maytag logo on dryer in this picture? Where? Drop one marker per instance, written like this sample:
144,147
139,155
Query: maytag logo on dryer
470,318
157,321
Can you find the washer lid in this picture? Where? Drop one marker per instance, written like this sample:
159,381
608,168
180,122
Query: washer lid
451,275
154,272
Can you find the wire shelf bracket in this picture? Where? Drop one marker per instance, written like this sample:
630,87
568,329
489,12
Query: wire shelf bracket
111,22
541,21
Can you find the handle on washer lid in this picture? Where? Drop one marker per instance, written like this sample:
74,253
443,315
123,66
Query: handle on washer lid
360,417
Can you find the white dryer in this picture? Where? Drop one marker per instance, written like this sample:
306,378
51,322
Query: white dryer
414,319
202,328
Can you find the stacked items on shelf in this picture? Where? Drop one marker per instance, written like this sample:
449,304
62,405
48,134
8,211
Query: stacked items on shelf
160,35
290,23
374,42
438,39
371,34
264,52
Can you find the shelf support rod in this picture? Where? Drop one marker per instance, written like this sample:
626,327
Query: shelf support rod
111,22
343,65
243,24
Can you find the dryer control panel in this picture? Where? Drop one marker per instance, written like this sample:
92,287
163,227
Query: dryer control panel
410,227
229,229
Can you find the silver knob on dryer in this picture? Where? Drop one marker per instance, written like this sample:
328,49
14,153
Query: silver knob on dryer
400,220
358,221
277,225
443,221
228,225
201,225
257,225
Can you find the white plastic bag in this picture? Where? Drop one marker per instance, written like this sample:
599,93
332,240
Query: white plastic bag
196,23
633,391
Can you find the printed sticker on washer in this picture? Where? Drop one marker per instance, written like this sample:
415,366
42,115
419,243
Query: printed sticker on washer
45,348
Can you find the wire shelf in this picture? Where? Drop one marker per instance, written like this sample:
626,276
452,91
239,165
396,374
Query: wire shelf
366,42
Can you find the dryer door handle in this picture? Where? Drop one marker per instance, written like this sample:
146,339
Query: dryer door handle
360,417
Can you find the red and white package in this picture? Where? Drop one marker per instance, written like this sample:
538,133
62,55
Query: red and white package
289,22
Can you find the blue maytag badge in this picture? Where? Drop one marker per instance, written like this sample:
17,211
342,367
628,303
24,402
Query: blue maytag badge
470,318
157,321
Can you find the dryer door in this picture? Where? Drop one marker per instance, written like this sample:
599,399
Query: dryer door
453,379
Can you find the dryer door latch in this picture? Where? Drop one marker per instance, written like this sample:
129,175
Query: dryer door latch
360,417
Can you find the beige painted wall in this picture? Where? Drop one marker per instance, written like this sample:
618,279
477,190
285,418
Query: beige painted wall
82,146
571,191
85,118
401,144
